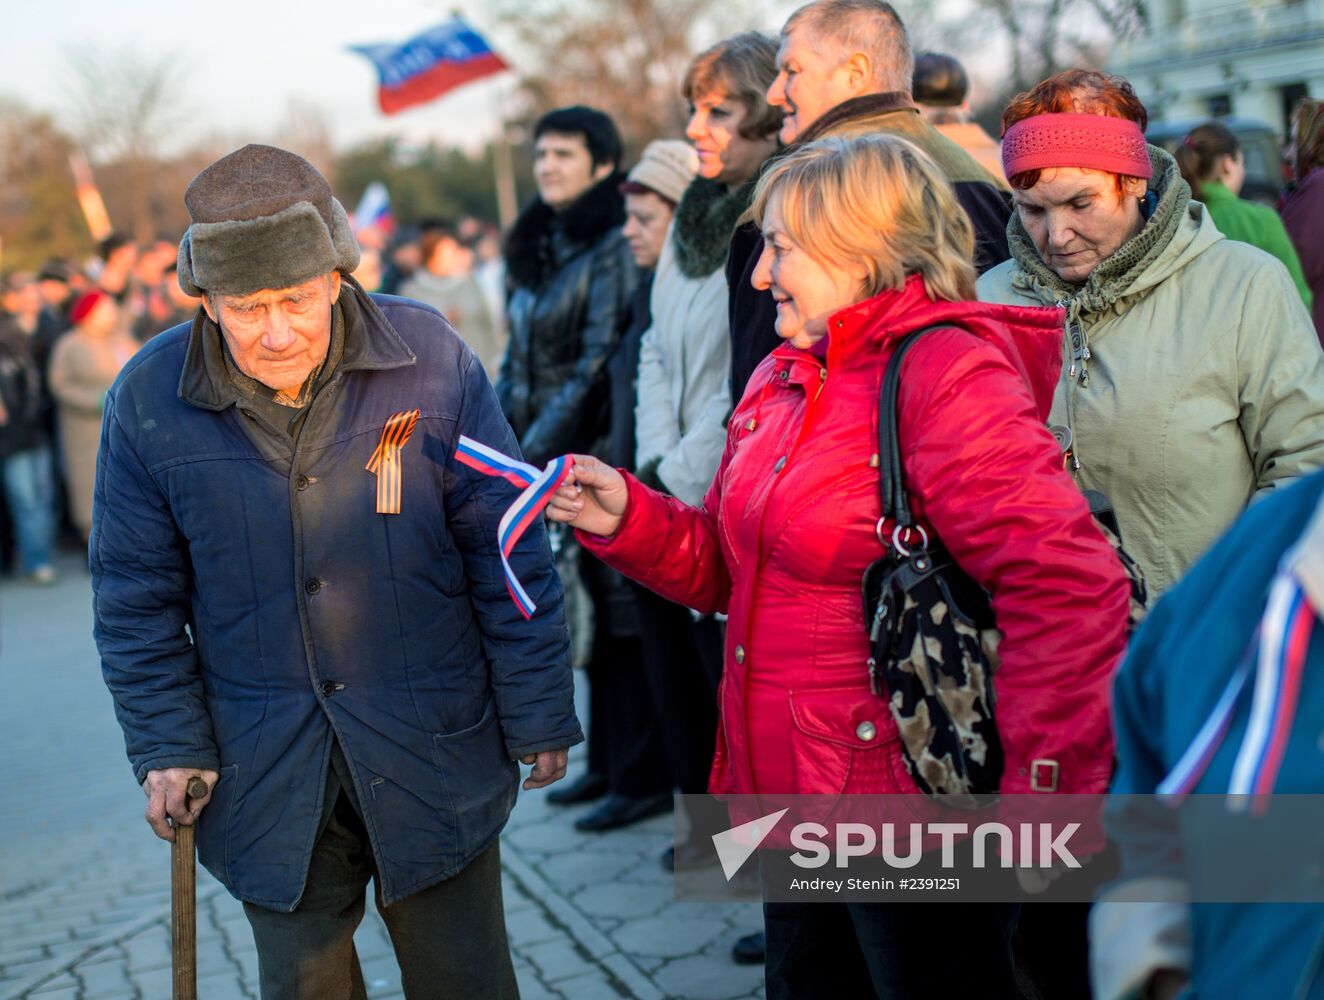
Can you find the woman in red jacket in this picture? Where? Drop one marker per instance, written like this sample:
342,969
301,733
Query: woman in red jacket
864,242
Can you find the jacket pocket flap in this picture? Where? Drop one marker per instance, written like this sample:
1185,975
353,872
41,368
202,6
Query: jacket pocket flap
850,716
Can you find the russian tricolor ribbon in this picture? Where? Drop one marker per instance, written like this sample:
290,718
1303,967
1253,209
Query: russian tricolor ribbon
1278,652
385,461
538,485
1284,638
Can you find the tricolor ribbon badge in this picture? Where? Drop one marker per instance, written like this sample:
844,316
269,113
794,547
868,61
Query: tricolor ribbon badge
538,487
385,461
1272,669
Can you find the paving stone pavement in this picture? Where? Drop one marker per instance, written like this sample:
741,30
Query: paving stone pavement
85,887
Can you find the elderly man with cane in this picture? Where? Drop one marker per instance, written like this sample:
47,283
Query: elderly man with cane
300,598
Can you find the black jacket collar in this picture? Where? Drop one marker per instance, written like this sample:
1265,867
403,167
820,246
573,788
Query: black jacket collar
529,258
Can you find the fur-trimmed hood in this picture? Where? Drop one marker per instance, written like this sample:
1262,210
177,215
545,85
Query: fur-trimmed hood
705,219
541,239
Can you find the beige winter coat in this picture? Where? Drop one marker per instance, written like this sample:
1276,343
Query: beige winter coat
82,369
684,396
1205,385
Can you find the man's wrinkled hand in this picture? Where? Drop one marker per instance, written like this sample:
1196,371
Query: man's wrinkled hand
166,791
548,766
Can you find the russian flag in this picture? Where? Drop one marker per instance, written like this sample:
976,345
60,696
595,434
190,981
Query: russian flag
429,64
374,210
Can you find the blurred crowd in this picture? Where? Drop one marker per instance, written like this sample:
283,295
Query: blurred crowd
67,329
65,333
453,266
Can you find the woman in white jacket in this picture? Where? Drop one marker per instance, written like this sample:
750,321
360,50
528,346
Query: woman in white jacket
684,363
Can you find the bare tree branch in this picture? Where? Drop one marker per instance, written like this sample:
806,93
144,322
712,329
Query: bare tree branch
627,57
125,108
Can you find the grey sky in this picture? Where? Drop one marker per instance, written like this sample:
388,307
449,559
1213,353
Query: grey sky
246,60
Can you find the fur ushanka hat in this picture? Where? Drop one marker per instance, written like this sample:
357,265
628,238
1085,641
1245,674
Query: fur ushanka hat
262,218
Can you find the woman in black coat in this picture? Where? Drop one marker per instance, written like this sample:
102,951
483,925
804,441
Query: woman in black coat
571,276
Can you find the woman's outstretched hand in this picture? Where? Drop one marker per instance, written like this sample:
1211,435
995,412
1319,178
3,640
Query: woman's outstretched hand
593,498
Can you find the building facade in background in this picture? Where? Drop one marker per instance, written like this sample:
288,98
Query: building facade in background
1200,58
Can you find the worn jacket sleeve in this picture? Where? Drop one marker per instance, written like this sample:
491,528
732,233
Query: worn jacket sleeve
987,475
503,385
613,278
529,659
141,587
1273,239
1280,373
1301,217
687,467
655,430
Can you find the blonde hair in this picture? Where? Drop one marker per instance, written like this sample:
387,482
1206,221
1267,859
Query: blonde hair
877,200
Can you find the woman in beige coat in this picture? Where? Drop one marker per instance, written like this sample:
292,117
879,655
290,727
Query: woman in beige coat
1191,382
84,363
1192,379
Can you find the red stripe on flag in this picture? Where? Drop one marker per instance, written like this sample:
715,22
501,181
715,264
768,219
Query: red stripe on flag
436,81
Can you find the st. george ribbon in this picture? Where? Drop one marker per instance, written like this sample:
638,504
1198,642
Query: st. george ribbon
538,486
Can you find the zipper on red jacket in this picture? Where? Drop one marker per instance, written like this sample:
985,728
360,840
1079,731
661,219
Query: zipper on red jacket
789,454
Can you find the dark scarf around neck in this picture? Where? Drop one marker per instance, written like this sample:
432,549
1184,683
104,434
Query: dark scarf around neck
705,218
1113,278
591,216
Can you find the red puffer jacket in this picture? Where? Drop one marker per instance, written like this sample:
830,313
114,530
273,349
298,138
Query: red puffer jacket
788,527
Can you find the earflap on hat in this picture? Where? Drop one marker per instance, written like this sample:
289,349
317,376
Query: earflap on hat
342,238
184,269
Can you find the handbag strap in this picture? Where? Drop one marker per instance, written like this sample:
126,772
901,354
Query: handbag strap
896,503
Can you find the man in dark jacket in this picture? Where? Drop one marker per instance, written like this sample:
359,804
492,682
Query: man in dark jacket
25,455
571,275
845,69
299,597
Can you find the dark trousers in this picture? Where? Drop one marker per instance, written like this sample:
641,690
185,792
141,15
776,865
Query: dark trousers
450,939
682,660
1052,951
892,951
624,740
1052,941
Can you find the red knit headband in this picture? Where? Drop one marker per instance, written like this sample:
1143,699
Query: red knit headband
1092,142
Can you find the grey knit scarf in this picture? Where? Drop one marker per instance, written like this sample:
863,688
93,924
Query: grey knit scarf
705,219
1114,277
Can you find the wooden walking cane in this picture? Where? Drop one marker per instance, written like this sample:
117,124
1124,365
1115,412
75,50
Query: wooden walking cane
184,904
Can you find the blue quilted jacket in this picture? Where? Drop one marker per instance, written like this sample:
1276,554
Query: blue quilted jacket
251,605
1180,663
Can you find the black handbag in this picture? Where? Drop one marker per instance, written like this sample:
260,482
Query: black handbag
933,641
